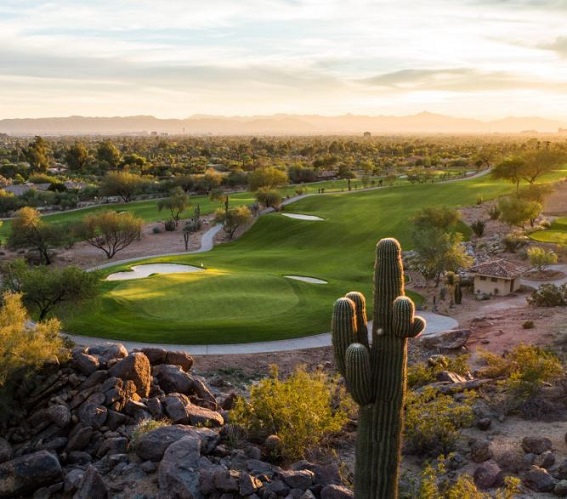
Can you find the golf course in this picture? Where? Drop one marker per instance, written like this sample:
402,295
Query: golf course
243,294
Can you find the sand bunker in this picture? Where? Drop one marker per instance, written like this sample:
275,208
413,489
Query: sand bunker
311,280
302,217
141,271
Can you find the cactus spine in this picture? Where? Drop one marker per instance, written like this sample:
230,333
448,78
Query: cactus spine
375,371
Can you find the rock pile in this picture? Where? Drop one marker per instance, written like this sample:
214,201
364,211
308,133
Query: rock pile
78,436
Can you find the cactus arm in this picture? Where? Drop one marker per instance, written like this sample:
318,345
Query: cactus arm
343,330
406,324
357,373
360,305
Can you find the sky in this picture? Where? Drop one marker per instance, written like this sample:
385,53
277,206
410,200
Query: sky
484,59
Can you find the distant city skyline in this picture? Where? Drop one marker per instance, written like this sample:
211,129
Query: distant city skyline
483,59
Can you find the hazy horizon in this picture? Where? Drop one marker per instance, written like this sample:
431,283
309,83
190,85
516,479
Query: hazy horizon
477,59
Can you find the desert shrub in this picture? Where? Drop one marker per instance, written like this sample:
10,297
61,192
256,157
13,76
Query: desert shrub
301,410
170,225
423,373
549,295
478,227
479,199
523,370
145,426
514,241
528,325
434,484
156,230
494,212
433,421
541,258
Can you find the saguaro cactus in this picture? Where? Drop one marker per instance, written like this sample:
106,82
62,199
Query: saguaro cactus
375,372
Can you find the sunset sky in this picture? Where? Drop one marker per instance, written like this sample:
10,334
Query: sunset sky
175,58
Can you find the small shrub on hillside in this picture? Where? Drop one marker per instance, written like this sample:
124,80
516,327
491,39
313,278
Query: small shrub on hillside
433,421
422,373
524,370
549,295
528,325
494,212
301,410
514,241
478,227
145,426
435,484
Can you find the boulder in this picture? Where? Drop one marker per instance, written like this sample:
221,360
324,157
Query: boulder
95,379
107,352
446,340
155,355
5,450
182,411
135,367
488,475
178,472
481,450
173,379
336,492
181,359
539,480
300,479
323,474
85,363
536,445
92,486
92,414
79,438
23,475
59,414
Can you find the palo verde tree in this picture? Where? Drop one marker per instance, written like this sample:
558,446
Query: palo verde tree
23,343
517,212
44,289
37,154
268,177
30,231
233,218
122,184
109,231
176,203
375,371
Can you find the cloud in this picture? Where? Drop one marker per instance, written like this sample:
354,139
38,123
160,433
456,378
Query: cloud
559,46
459,80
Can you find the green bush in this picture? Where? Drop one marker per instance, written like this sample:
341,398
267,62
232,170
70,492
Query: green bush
478,227
433,421
422,373
528,325
434,484
549,295
494,212
301,410
523,370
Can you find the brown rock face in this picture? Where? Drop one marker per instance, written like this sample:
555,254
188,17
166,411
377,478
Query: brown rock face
135,367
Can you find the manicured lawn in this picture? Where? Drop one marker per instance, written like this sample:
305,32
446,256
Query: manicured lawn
243,295
556,234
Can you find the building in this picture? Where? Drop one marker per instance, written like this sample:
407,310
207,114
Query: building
497,277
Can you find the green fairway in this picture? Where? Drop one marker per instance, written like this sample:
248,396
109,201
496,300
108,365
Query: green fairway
556,234
243,295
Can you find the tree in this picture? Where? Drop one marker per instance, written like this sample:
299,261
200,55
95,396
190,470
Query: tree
441,217
176,203
30,231
233,218
122,184
44,289
108,154
23,343
37,154
77,156
510,169
539,161
270,198
211,180
515,211
269,177
540,258
439,251
110,231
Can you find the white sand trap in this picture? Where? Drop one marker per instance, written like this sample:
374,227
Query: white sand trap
302,217
311,280
141,271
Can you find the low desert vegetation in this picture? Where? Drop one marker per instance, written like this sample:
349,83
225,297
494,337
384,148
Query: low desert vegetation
302,411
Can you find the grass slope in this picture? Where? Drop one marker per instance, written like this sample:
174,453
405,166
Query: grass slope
243,295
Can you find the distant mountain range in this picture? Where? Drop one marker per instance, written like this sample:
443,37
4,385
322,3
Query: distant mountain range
280,124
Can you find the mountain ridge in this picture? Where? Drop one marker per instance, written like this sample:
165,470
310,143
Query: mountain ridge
279,124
